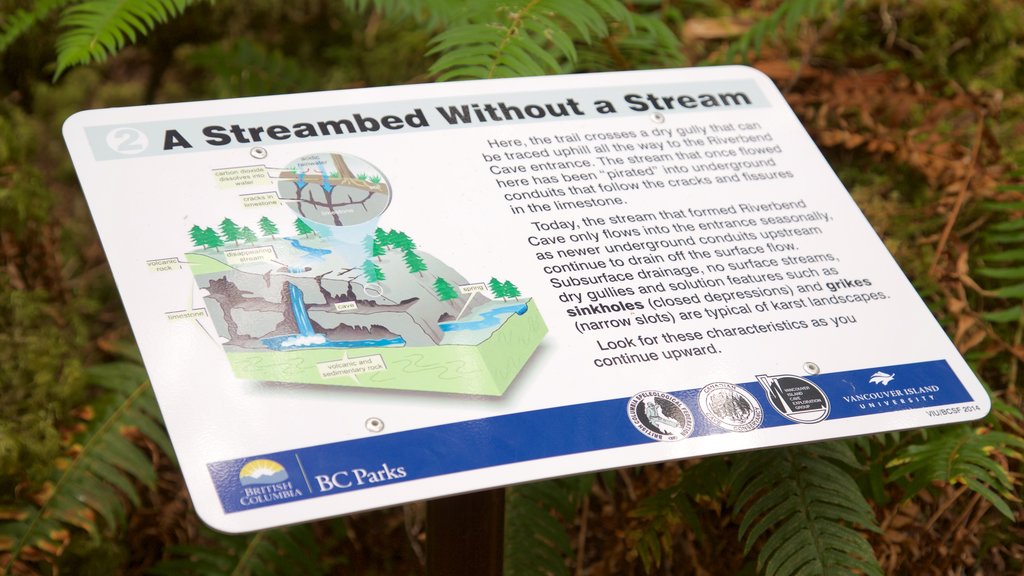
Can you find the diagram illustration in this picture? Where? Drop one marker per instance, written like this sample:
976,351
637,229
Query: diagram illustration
332,297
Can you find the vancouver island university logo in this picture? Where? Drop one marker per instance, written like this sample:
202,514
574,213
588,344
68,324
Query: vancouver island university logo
660,416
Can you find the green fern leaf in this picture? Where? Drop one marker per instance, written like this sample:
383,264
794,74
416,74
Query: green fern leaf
21,21
536,541
961,454
291,550
89,489
522,38
671,506
785,19
806,502
98,28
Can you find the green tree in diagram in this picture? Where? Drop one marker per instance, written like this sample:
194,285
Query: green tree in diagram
372,271
302,228
382,238
497,288
211,239
230,231
373,247
445,291
510,290
401,240
247,235
198,236
413,262
268,227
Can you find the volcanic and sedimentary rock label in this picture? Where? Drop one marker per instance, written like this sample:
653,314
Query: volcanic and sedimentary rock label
351,366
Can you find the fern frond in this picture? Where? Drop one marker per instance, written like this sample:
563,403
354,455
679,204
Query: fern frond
428,13
804,500
963,455
667,508
89,487
522,38
21,21
95,29
784,20
291,550
536,541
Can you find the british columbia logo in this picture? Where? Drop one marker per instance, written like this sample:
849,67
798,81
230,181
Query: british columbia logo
660,416
730,407
795,398
264,480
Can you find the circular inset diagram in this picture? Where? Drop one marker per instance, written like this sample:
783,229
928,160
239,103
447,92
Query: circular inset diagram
334,189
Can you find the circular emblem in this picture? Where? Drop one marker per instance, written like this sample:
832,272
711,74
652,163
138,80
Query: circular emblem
660,416
127,141
731,407
795,398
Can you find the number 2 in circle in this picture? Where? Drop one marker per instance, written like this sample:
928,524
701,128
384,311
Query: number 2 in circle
127,140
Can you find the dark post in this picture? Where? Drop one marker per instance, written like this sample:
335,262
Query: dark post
466,533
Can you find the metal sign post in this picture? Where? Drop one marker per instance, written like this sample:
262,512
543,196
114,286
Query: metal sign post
465,534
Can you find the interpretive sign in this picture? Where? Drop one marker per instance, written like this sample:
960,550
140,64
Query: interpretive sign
348,300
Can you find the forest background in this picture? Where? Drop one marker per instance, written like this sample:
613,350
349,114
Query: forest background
917,104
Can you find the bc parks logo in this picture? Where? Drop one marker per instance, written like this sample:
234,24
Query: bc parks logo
660,416
343,479
264,481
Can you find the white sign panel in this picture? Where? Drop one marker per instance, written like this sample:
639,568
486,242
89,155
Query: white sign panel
349,300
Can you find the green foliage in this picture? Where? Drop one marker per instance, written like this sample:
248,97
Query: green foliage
245,67
1001,254
786,18
21,20
932,39
413,262
290,550
302,228
268,227
804,501
41,378
95,29
500,39
536,515
248,235
963,455
89,488
230,231
667,508
444,290
497,287
372,271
